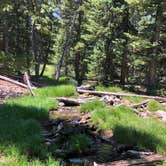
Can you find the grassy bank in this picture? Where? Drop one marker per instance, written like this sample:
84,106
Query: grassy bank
128,128
20,127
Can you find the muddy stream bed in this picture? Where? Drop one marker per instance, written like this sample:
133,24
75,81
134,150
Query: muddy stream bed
78,143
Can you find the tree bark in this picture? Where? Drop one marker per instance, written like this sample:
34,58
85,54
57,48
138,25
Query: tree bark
152,65
35,51
69,31
101,93
5,35
125,25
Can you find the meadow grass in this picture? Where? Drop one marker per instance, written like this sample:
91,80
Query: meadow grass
153,105
128,128
56,91
109,88
91,105
20,127
134,99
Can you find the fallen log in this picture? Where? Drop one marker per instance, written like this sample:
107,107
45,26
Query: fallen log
13,81
101,93
145,160
71,101
140,104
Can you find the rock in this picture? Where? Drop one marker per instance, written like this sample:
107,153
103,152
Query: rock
161,114
76,161
61,104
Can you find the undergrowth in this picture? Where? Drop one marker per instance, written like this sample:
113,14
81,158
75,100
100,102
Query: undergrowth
128,128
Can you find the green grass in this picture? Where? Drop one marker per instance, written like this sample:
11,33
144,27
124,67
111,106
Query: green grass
79,142
55,91
128,128
109,89
134,99
91,105
20,140
153,105
163,164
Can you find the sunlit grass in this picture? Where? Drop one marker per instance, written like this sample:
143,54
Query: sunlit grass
20,139
153,105
55,91
109,89
128,128
134,99
91,105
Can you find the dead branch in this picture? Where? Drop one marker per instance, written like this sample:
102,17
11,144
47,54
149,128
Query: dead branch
101,93
27,81
13,81
71,101
143,103
146,160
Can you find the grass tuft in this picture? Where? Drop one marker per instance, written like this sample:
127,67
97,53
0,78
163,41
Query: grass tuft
56,91
91,105
134,99
153,105
20,131
128,128
109,89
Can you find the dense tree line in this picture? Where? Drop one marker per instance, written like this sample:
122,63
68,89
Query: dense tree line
106,40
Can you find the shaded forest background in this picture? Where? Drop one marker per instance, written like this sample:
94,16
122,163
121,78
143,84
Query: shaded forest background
110,41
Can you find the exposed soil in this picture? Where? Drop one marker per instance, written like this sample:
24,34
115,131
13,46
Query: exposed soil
8,89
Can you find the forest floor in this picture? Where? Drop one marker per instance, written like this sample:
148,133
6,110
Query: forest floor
101,131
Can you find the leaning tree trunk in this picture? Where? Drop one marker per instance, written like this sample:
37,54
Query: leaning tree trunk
69,31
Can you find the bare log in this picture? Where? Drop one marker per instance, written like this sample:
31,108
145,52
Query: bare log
13,81
71,101
145,160
140,104
27,81
101,93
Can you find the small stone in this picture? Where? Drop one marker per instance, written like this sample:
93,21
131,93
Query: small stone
61,104
76,161
48,143
162,115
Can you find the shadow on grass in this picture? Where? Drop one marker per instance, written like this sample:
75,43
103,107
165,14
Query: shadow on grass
142,140
20,131
46,81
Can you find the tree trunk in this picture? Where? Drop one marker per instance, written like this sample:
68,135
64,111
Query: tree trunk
35,51
152,66
78,55
69,31
125,26
108,72
5,35
123,67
